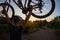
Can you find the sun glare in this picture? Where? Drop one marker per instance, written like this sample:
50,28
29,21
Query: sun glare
32,19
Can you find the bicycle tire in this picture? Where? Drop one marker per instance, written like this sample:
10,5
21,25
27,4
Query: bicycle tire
48,14
13,11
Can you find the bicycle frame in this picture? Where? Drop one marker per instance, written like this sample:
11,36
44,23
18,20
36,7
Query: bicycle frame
21,7
17,4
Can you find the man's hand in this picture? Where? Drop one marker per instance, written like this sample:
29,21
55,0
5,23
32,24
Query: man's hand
30,8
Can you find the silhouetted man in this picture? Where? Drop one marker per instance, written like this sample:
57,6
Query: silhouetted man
15,28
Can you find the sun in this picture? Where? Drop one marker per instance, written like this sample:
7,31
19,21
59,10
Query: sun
32,19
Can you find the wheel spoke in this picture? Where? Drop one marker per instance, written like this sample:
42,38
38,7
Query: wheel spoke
7,9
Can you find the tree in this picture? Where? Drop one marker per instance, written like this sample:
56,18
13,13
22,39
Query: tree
55,24
57,19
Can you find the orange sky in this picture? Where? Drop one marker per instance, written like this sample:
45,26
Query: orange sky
34,19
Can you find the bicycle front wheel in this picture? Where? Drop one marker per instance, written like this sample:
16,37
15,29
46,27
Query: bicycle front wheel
8,8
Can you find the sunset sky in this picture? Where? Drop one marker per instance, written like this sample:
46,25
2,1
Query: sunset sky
54,14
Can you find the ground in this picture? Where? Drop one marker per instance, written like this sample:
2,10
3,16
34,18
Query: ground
42,34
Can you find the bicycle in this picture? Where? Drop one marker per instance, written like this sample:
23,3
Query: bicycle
37,5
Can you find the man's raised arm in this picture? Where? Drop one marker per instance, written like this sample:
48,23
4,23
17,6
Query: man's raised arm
28,16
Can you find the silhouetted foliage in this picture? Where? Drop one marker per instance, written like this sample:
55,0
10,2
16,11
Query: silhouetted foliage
36,25
55,24
2,20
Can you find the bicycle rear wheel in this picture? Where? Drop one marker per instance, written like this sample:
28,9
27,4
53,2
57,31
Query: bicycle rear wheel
9,9
48,9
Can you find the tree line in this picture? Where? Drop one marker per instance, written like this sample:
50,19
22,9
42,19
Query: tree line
38,24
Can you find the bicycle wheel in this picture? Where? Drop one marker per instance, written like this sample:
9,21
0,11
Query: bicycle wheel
9,9
47,8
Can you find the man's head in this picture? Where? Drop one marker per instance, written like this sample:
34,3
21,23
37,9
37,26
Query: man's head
16,19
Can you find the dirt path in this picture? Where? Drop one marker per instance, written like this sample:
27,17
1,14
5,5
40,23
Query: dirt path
42,34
